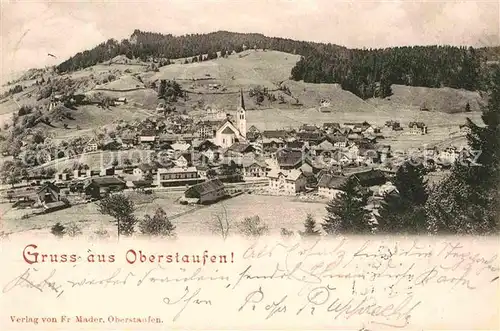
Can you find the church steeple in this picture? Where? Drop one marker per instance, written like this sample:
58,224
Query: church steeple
242,100
241,120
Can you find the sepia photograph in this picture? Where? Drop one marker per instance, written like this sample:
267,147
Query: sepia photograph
224,133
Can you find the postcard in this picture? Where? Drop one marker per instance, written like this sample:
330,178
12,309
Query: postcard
250,165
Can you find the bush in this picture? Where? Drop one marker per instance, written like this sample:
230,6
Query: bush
252,227
58,230
73,230
158,225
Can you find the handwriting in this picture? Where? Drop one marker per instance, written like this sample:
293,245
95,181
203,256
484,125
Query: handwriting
362,305
111,280
254,298
25,280
185,300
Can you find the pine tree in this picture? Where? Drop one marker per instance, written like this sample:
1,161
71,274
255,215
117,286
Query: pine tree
310,227
468,200
467,107
402,211
347,213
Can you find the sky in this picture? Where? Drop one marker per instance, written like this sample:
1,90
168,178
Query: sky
32,29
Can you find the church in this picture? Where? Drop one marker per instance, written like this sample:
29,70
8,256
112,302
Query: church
228,132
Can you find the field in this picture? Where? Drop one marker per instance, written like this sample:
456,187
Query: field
444,99
271,209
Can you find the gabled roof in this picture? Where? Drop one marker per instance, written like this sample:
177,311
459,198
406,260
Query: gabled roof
307,135
204,188
324,145
180,146
370,177
291,175
296,144
176,170
49,186
287,157
419,125
275,134
241,148
225,125
103,181
331,125
332,182
145,167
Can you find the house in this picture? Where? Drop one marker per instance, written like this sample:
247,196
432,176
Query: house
370,178
290,159
81,173
62,176
352,125
417,128
177,176
228,133
308,128
207,129
128,139
338,141
330,128
386,188
207,192
371,130
329,185
148,137
101,186
272,144
254,167
324,146
48,193
107,171
204,145
240,149
144,171
120,101
312,138
286,182
183,160
465,129
91,146
449,155
275,134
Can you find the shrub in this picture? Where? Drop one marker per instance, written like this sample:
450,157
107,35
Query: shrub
58,230
252,227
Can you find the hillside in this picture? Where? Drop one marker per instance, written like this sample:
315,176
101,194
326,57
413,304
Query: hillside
445,99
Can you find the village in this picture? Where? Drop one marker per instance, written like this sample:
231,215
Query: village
218,157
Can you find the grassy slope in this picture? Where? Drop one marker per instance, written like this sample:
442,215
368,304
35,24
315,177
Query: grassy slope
445,99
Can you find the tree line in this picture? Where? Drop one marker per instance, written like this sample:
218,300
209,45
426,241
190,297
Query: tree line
365,72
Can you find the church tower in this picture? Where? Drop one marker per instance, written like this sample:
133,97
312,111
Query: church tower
241,120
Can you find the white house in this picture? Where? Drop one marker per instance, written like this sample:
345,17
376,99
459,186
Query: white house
386,188
417,128
449,155
286,182
91,146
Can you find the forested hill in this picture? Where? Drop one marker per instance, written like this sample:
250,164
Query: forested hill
145,45
365,72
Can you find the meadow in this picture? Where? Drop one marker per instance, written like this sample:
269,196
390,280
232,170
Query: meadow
276,211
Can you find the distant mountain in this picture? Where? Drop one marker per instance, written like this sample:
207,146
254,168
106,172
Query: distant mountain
367,73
